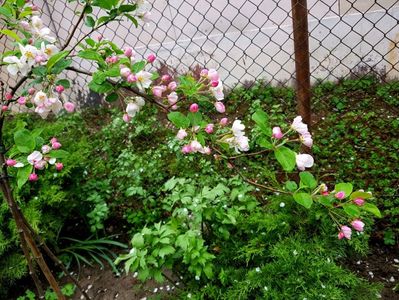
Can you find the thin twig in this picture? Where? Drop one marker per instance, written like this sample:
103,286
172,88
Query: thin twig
74,29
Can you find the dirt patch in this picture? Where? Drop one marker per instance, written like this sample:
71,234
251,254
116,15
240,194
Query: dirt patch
382,266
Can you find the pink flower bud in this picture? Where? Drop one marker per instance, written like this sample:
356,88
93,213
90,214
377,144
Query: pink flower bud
277,134
186,149
112,59
341,235
125,72
214,83
21,100
174,107
340,195
209,128
99,37
359,201
33,177
213,75
4,108
194,107
11,162
35,8
165,77
224,121
46,149
59,89
358,225
128,51
30,41
8,96
346,232
126,118
56,145
31,91
40,165
151,58
25,25
181,134
220,107
69,107
53,140
172,86
158,90
59,167
39,59
131,78
204,72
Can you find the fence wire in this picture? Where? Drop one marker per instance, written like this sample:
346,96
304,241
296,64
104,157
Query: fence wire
249,40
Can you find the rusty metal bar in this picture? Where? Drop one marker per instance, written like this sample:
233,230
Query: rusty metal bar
301,48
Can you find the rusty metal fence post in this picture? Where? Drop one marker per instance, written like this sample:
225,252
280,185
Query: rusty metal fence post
301,48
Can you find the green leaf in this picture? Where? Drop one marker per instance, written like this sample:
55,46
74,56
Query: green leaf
262,120
103,88
105,4
133,19
195,118
90,22
286,157
307,180
111,97
371,208
359,194
351,210
23,175
90,42
178,119
291,186
61,66
11,34
39,71
6,12
90,55
166,250
24,141
138,240
64,82
303,199
56,58
138,66
264,142
344,187
326,200
127,7
58,153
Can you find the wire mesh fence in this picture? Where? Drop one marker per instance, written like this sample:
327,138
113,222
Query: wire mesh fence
248,40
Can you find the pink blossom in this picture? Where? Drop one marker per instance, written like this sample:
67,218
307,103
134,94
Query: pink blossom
346,232
21,100
126,118
207,150
4,108
69,107
214,83
213,75
220,107
277,134
131,78
358,225
194,107
125,72
59,166
196,146
112,59
56,145
59,89
209,128
186,149
151,58
146,17
181,134
204,72
158,90
31,91
53,140
46,149
174,107
40,165
306,139
172,98
172,85
359,201
40,58
33,177
165,77
8,96
25,25
128,51
340,195
11,162
224,121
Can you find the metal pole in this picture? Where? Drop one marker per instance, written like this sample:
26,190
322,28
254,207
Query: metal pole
301,47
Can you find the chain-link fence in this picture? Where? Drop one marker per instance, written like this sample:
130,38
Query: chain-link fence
248,40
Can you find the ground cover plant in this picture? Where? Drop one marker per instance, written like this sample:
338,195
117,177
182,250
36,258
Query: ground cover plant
231,210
